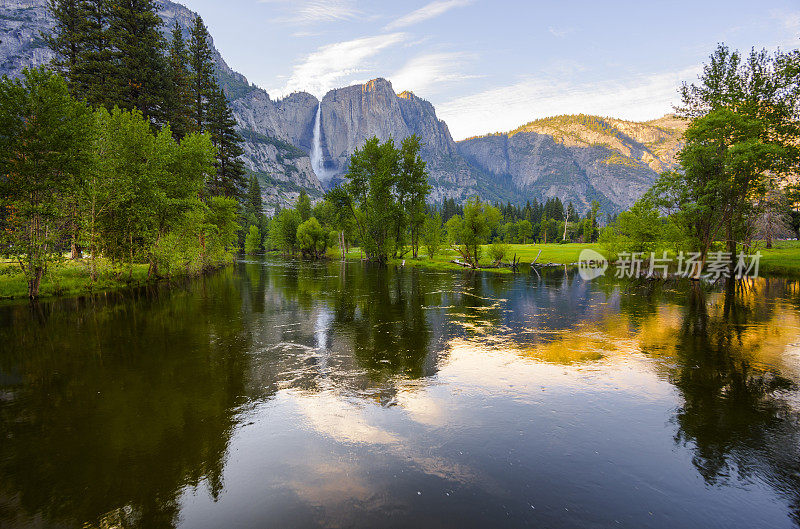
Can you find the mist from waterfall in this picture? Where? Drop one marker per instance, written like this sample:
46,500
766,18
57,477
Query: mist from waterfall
317,158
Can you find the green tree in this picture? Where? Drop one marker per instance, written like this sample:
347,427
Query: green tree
474,229
433,234
498,251
139,80
742,135
283,231
413,189
67,38
220,228
96,71
303,206
45,134
136,160
252,243
202,80
230,177
82,48
382,190
524,231
178,104
312,238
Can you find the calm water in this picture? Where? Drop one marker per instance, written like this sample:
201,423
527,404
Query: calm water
294,395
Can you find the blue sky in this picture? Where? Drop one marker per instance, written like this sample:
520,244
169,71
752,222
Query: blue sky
492,65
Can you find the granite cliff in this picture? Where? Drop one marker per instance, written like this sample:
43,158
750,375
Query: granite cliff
580,158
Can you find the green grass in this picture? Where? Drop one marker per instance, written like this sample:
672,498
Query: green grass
551,254
70,278
781,260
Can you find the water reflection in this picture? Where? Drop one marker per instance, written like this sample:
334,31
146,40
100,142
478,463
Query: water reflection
305,395
110,408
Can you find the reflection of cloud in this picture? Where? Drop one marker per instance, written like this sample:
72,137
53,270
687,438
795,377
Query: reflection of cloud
427,12
333,64
421,407
508,371
342,420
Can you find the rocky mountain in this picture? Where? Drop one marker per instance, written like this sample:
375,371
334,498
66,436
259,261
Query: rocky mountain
351,115
576,158
270,151
580,158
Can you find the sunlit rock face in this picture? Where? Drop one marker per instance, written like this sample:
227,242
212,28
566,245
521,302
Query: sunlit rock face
580,158
356,113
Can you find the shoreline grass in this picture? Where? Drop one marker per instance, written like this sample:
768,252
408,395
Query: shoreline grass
781,260
71,278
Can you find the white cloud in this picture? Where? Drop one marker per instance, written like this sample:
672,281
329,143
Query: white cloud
428,72
507,107
559,32
314,11
432,10
333,65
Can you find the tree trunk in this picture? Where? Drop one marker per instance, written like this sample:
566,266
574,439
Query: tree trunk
35,282
731,248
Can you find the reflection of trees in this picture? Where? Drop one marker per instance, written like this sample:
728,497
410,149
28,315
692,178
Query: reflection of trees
115,407
735,413
389,325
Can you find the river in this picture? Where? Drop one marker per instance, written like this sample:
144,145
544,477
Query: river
286,394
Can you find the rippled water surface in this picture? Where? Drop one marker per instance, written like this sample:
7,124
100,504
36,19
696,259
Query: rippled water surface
278,394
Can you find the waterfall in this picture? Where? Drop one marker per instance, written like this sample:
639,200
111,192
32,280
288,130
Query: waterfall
317,158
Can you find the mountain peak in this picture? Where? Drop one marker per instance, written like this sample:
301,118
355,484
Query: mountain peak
376,84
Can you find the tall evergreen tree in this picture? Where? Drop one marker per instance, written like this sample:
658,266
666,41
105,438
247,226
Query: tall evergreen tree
67,40
94,72
253,203
179,98
202,81
230,178
139,77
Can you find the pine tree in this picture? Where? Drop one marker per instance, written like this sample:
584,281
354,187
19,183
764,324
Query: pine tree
139,77
95,69
67,38
229,180
253,203
202,81
179,99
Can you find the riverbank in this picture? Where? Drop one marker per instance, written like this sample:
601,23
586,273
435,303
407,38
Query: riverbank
781,260
69,279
